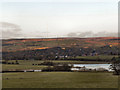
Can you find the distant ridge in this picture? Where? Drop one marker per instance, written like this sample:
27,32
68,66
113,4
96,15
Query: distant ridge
12,45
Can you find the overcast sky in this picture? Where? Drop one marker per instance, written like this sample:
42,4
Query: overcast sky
58,18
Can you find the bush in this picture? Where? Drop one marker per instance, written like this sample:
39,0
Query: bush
47,63
60,67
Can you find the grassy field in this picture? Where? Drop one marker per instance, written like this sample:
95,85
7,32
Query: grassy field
59,80
22,65
27,64
102,57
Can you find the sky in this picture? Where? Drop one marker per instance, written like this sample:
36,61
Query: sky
58,18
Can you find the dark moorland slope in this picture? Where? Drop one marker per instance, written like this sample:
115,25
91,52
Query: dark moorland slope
53,48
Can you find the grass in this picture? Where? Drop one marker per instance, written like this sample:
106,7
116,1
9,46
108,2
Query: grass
102,57
22,65
27,64
9,67
59,80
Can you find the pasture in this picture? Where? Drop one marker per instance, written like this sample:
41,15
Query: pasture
59,80
27,64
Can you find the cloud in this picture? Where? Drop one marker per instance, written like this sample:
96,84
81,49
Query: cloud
86,34
59,0
91,34
72,34
106,34
9,30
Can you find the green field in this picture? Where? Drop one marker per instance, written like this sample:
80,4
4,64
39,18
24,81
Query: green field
59,80
27,64
102,57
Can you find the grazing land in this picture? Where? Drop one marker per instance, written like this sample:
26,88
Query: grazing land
27,64
60,80
26,54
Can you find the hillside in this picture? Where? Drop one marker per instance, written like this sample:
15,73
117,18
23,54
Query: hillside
13,45
58,48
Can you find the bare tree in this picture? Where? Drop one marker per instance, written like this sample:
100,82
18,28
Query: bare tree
115,65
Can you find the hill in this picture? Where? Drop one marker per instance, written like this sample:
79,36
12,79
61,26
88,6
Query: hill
52,48
12,45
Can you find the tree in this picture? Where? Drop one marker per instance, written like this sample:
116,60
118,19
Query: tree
62,67
115,65
48,63
17,62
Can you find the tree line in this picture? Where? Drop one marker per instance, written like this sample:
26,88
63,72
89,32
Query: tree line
56,53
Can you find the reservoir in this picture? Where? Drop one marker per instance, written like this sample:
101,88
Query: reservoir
92,66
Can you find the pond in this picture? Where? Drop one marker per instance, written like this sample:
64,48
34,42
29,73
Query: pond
93,66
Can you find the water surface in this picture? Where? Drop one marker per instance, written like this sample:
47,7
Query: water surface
94,66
